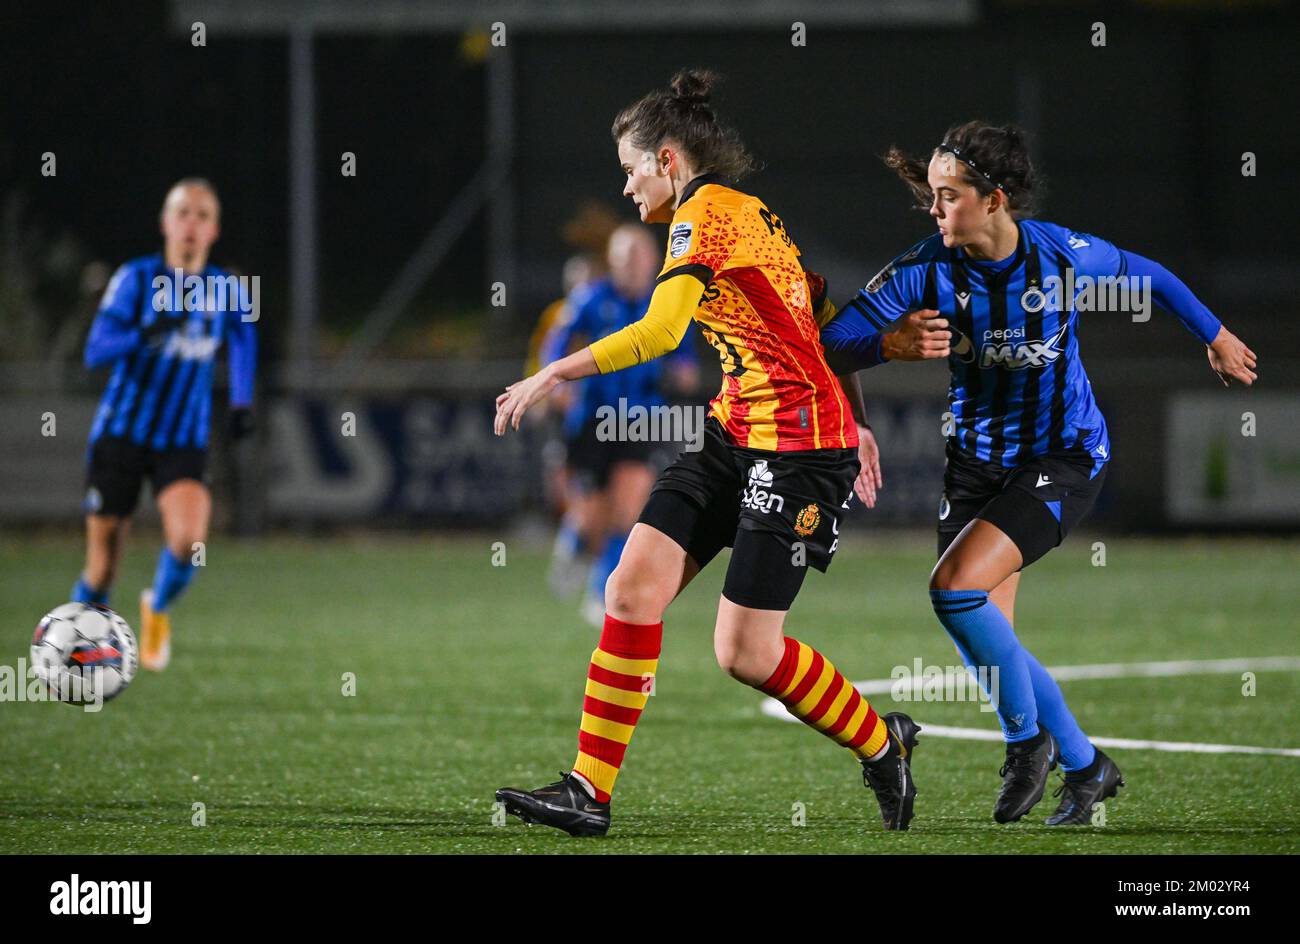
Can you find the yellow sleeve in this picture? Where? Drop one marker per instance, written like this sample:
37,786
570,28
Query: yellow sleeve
658,331
823,308
825,312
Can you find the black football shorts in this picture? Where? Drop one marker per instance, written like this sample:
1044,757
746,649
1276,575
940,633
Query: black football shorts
589,460
117,467
1036,504
780,511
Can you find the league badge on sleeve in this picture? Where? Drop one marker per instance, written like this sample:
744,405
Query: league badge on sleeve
881,277
679,239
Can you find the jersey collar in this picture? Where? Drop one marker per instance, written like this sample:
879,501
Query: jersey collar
1023,248
698,182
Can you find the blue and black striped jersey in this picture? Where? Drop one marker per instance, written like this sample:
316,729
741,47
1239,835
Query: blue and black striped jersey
1018,387
160,391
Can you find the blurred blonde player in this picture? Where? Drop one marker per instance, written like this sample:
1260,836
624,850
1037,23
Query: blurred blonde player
607,482
160,341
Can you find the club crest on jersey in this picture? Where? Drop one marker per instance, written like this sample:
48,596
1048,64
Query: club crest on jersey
807,520
1017,355
679,239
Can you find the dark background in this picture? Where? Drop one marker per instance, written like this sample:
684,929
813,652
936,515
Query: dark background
1141,142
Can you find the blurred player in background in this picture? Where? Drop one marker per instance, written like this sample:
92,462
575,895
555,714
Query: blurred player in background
607,483
579,269
160,341
1028,452
777,467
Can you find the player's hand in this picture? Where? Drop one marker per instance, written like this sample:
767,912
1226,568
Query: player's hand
519,396
869,479
1231,359
242,423
921,335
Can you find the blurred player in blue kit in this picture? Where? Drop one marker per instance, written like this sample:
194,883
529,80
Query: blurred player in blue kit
159,327
607,482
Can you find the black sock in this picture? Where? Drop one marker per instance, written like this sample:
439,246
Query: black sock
1030,744
1086,773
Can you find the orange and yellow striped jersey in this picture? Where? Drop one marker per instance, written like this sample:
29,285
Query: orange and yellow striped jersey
778,393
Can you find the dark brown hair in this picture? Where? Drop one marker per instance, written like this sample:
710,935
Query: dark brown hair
1000,155
684,114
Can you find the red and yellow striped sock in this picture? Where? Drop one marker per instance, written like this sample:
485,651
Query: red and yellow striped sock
619,682
818,695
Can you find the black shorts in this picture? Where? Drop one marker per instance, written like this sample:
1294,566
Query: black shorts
589,460
1036,504
117,467
781,511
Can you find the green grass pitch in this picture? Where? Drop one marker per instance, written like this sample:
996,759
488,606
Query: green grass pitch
469,677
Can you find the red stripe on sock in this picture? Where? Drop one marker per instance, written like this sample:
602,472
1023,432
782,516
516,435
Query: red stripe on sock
628,683
784,669
632,640
603,709
611,752
808,681
832,692
864,732
850,707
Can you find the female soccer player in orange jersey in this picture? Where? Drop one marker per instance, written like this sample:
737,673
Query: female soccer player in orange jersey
772,480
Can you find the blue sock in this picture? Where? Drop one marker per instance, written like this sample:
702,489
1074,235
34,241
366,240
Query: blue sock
83,592
604,564
171,577
985,638
1077,751
567,539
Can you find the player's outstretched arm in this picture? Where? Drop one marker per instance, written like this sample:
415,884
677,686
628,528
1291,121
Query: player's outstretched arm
1228,356
852,343
659,331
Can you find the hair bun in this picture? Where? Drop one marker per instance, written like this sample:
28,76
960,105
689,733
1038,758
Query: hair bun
692,86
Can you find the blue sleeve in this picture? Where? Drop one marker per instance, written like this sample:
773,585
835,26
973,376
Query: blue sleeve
243,359
1173,296
896,290
851,340
557,340
1091,255
114,332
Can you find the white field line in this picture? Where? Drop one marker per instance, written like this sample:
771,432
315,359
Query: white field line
774,709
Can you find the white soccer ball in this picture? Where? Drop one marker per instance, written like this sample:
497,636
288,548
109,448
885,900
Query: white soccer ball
84,653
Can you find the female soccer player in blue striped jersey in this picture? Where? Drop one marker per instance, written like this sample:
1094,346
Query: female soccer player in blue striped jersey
159,332
999,296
